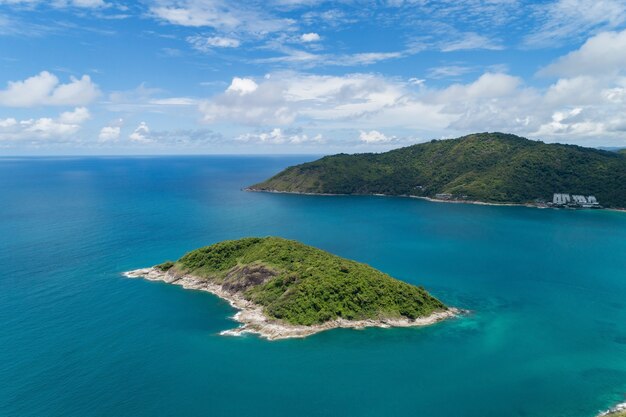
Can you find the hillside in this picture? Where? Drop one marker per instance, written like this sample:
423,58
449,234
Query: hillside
490,167
303,285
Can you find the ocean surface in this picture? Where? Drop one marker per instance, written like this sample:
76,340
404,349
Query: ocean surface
547,291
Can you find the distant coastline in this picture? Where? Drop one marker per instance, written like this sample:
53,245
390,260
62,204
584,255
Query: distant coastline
431,199
483,168
254,321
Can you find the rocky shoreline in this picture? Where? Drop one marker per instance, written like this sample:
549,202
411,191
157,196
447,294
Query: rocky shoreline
618,411
254,321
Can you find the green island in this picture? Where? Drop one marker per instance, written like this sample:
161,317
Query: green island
284,288
483,167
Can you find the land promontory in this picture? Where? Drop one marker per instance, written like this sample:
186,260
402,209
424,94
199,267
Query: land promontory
284,288
483,167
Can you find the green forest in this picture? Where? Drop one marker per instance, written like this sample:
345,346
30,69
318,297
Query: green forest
303,285
490,167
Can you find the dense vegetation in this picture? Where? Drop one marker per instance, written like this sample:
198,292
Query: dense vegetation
303,285
493,167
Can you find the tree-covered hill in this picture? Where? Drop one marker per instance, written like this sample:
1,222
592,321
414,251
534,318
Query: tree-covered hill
491,167
303,285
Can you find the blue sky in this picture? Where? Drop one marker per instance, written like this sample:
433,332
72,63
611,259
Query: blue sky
303,76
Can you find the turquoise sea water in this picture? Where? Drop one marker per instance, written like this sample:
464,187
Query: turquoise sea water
547,288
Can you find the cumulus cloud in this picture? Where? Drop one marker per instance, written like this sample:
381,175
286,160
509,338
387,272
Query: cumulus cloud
283,97
45,89
374,136
10,122
141,134
109,134
58,129
310,37
601,54
242,86
488,85
75,117
577,108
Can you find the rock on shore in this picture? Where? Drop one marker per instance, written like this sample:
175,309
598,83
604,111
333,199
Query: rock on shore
253,320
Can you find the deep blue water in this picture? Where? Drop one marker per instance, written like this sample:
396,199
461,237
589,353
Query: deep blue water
547,336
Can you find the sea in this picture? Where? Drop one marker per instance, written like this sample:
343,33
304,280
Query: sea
545,335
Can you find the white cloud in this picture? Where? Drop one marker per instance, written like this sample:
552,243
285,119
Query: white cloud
75,117
488,85
145,99
310,37
221,15
604,53
141,134
563,20
365,58
562,122
295,56
10,122
44,128
283,97
181,137
109,134
242,86
174,101
206,44
308,59
578,108
374,136
86,4
447,71
468,41
279,136
45,89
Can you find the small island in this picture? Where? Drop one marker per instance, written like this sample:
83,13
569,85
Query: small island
283,288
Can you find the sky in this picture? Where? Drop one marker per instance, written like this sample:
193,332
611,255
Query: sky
111,77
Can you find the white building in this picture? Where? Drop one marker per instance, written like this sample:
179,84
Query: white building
575,200
561,199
